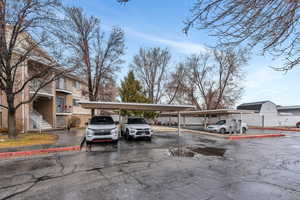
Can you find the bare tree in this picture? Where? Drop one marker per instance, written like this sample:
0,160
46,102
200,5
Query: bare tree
151,66
273,25
108,90
97,58
23,38
176,87
213,79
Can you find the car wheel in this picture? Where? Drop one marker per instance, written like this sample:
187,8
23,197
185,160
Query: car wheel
298,125
88,146
244,130
115,143
127,135
222,130
149,139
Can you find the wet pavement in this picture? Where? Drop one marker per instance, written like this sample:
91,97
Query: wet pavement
253,131
259,169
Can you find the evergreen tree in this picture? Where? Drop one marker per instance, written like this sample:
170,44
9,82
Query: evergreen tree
131,91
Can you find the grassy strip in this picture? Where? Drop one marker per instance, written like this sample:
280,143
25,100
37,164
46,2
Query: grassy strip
28,139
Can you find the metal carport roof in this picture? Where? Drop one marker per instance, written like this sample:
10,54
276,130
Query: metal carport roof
210,112
134,106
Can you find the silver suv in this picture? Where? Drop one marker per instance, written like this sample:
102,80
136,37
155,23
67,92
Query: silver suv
102,129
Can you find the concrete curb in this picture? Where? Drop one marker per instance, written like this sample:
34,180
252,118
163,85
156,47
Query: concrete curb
276,129
254,136
206,133
37,152
234,137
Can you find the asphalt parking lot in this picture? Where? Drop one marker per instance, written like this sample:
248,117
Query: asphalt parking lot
208,168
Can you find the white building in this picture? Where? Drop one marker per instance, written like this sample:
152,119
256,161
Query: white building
268,113
294,110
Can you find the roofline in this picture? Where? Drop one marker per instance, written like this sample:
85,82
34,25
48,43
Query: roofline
288,107
255,103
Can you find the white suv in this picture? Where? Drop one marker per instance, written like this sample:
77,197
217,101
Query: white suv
102,129
136,128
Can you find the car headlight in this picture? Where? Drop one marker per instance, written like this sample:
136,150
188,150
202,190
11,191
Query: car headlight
114,131
90,132
131,130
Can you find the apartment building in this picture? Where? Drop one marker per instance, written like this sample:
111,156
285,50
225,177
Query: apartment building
54,106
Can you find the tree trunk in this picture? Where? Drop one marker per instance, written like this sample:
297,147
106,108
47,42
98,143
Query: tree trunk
12,132
93,112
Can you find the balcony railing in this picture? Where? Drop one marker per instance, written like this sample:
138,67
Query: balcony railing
62,87
35,85
64,109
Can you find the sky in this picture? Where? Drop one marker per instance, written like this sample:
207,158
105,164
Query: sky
160,22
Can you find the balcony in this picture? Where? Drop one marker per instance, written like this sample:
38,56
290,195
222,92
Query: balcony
45,91
61,86
64,110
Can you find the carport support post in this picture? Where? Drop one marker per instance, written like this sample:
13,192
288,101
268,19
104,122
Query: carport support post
119,125
178,118
178,131
241,129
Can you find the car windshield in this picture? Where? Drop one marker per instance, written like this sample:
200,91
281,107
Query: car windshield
136,121
102,120
221,122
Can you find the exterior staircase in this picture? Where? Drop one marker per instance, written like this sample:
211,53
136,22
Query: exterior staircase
37,121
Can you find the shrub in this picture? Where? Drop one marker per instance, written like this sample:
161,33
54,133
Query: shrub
75,121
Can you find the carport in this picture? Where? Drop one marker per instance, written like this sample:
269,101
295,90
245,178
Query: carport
206,113
175,109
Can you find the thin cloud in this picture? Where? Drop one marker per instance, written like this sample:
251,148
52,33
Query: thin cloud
180,46
262,76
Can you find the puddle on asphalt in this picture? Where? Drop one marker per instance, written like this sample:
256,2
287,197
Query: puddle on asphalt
194,151
181,152
206,140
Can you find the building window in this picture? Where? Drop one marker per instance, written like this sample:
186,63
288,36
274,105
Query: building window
60,83
75,102
76,84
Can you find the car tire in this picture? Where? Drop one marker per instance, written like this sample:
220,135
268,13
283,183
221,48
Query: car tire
149,139
128,137
115,143
244,130
127,134
222,131
298,125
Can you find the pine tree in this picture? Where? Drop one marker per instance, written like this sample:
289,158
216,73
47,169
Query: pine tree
131,91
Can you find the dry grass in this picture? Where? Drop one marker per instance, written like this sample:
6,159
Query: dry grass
28,139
